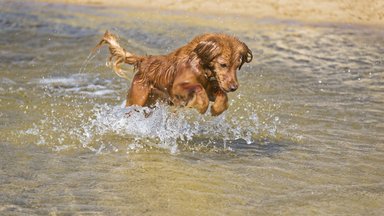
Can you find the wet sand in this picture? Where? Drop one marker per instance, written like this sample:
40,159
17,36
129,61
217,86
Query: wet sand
366,12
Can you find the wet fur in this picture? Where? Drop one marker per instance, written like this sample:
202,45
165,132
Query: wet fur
201,71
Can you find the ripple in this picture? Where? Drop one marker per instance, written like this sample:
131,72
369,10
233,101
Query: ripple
82,84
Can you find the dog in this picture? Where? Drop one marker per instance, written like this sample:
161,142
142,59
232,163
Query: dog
201,71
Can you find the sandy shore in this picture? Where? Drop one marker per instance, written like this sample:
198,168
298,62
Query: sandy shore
368,12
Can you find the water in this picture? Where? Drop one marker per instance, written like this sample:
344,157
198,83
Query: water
303,135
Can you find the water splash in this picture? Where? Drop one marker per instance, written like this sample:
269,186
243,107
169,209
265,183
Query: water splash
167,128
108,128
88,60
84,122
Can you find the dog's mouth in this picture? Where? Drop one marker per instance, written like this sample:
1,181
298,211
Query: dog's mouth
224,89
220,82
221,86
227,90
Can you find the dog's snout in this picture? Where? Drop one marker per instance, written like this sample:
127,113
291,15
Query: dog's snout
233,87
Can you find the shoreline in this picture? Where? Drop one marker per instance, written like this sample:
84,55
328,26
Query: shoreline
360,12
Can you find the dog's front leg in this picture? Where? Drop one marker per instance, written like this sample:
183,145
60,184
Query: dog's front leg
219,98
199,99
220,103
191,95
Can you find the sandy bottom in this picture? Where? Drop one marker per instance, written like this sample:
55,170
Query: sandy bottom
367,12
303,134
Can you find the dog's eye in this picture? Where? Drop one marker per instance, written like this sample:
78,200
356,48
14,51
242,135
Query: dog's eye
223,65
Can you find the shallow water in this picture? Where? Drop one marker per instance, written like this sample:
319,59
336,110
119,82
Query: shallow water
303,135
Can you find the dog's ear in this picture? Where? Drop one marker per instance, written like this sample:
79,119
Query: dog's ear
207,50
245,54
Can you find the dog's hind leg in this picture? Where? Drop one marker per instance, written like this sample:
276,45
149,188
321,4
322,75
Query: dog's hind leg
138,93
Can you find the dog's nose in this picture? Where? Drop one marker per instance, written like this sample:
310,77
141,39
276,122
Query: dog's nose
233,87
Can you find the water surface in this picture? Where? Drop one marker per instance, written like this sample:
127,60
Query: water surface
303,134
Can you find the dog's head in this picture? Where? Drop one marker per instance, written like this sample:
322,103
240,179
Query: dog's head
223,55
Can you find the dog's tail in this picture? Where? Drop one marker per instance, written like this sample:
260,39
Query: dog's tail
118,54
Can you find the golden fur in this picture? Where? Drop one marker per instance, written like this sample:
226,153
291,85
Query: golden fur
201,71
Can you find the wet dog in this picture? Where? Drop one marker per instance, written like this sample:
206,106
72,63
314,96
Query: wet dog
201,71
